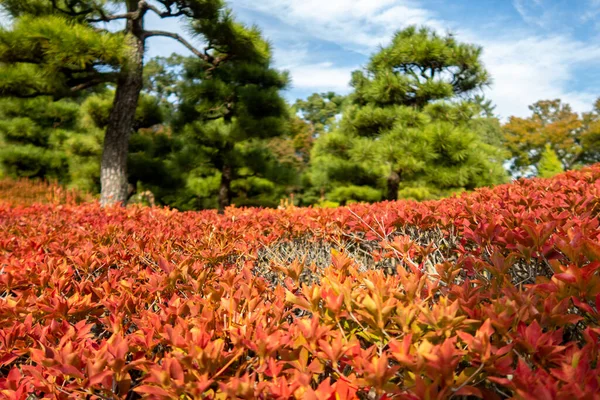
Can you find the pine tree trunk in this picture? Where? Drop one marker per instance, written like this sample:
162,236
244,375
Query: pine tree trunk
225,187
113,170
393,185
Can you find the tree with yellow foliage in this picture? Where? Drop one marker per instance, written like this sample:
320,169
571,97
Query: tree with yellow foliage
572,137
591,137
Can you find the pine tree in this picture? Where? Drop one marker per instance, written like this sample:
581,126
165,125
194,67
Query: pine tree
549,164
319,113
32,134
46,139
226,113
400,126
62,140
320,110
61,47
339,177
151,146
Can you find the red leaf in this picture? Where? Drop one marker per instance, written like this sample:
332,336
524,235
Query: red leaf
153,390
567,277
98,378
469,391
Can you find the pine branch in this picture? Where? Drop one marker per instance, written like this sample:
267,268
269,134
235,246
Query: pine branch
212,118
83,86
71,11
107,18
169,13
26,96
412,72
102,18
181,40
99,79
26,91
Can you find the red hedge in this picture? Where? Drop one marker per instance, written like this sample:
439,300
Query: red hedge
154,303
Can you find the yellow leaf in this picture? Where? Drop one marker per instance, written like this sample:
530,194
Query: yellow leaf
370,305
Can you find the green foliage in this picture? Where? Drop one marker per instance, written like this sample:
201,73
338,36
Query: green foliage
573,137
549,164
245,91
419,67
151,161
401,130
32,162
53,54
421,191
590,137
352,193
33,133
60,47
327,204
294,146
97,107
320,110
227,117
62,140
314,117
162,76
213,128
335,173
259,177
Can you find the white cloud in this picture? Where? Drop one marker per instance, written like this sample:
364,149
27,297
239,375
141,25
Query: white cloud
534,12
534,68
522,8
357,25
592,11
290,56
360,25
4,20
321,77
525,67
307,75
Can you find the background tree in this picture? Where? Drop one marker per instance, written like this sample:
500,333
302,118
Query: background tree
337,176
296,143
292,152
309,119
320,110
549,164
486,107
162,79
32,137
62,140
152,147
590,138
552,122
59,47
226,113
398,128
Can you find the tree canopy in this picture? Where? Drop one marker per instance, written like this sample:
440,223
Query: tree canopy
549,164
60,47
80,104
572,137
405,125
227,113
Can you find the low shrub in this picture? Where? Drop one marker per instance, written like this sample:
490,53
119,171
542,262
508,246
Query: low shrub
493,294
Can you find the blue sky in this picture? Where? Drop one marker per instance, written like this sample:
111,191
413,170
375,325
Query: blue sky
534,49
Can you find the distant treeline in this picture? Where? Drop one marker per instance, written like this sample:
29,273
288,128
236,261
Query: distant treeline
79,105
